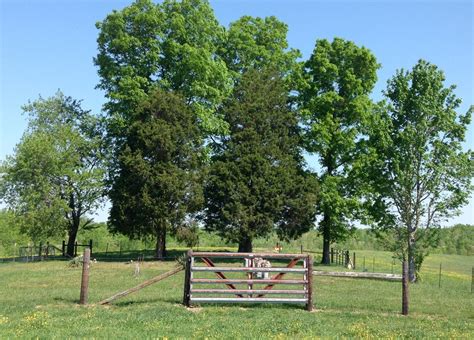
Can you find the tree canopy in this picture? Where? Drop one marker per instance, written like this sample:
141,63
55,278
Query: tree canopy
55,177
417,168
173,46
335,105
158,186
256,183
258,43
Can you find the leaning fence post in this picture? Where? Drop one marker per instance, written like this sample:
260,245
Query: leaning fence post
85,277
309,260
187,279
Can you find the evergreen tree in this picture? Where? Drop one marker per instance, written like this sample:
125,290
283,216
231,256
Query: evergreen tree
157,189
256,183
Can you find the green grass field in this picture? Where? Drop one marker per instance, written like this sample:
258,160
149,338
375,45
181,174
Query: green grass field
40,300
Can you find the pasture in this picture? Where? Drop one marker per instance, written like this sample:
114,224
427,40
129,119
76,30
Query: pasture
39,299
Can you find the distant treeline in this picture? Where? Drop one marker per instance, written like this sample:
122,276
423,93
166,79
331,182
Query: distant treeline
458,239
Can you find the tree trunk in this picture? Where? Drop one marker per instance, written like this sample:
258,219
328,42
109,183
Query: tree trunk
405,288
245,245
326,240
72,234
160,251
411,258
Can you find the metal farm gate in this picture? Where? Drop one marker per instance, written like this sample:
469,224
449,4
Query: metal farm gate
249,277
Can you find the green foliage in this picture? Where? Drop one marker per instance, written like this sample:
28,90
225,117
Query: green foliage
55,176
257,43
173,46
335,107
158,183
458,239
256,183
188,235
419,174
10,236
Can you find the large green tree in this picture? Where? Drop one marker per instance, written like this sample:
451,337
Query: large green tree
417,168
256,184
158,187
173,46
55,177
335,104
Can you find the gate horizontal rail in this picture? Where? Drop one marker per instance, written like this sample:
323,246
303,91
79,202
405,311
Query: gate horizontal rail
256,281
252,270
254,300
255,271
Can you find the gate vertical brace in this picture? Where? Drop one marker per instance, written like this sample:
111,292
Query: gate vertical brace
187,280
309,260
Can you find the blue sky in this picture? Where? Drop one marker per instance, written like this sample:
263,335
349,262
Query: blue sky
46,45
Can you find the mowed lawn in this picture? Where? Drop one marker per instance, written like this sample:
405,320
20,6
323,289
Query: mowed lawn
40,300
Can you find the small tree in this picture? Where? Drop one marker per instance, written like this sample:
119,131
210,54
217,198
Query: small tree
256,184
157,188
418,171
55,178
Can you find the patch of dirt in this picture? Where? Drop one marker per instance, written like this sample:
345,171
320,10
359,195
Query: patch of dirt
194,309
315,310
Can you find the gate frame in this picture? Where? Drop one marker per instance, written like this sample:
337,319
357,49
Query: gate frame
249,294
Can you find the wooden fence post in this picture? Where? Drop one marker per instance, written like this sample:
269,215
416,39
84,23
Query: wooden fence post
187,279
354,260
64,248
309,306
472,279
405,292
90,245
332,255
75,249
439,279
85,277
